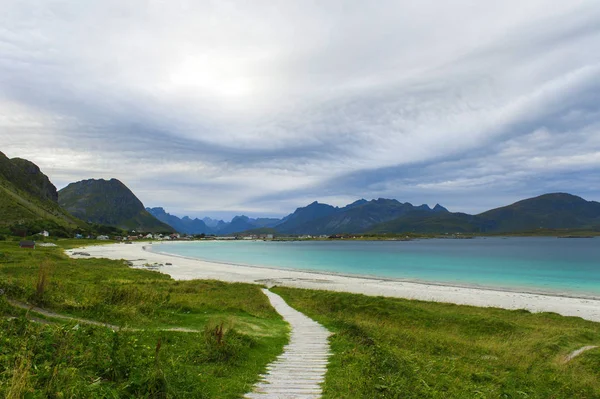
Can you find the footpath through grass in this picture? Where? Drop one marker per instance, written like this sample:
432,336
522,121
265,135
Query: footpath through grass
239,334
395,348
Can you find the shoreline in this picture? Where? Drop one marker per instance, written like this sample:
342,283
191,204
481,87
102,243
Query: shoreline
186,268
382,278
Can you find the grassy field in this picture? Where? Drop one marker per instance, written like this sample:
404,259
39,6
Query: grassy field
382,347
395,348
238,333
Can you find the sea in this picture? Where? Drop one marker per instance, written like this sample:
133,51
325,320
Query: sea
557,266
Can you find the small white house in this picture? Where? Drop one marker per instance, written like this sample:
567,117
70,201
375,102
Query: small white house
150,236
45,234
104,238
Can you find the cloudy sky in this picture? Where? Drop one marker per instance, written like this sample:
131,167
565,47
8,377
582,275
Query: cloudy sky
222,107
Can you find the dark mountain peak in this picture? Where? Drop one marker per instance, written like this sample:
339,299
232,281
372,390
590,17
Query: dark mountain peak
557,198
240,218
385,201
27,195
439,208
359,202
100,184
423,207
25,165
304,215
108,202
27,176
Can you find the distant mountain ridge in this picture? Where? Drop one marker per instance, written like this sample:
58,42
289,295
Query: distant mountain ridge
357,217
188,225
315,218
108,202
184,225
548,211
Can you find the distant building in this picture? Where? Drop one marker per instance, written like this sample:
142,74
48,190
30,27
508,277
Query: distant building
102,238
27,244
45,234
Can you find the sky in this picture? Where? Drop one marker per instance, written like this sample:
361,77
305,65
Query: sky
218,108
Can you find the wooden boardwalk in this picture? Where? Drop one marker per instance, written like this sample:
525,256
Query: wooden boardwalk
299,371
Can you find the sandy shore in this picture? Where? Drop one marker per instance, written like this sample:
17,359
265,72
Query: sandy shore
186,269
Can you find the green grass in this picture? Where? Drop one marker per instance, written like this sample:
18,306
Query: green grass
67,359
395,348
382,347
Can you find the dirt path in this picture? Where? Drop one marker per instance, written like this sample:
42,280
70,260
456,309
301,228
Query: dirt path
578,352
49,313
300,370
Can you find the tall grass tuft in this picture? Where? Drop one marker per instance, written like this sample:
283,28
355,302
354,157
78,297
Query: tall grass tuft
225,344
19,383
155,384
43,279
218,333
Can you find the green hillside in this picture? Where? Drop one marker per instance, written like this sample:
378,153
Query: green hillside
28,200
109,202
546,212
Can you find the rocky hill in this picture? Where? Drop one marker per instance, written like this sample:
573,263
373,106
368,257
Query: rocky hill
28,200
109,202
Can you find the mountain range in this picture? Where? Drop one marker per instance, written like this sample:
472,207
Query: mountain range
29,201
548,211
379,216
211,226
315,218
358,217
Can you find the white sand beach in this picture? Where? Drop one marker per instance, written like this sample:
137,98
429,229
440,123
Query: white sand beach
186,269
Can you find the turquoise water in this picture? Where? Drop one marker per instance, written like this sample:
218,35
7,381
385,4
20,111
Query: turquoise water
540,264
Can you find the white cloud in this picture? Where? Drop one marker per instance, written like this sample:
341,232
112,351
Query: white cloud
226,103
